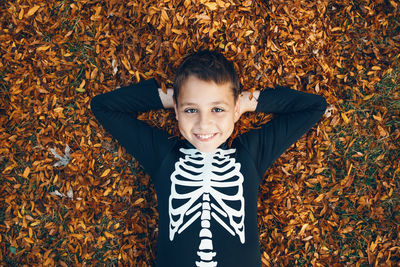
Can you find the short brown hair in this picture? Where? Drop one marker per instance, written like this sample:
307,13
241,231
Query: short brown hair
208,66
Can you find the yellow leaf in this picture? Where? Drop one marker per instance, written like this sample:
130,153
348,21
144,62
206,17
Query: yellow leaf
303,229
32,11
108,235
317,88
21,14
26,172
307,238
98,10
8,168
58,110
266,256
312,216
377,117
368,97
96,16
373,246
164,15
290,231
176,31
42,48
94,73
81,88
78,236
35,223
48,262
382,131
346,230
138,201
187,3
108,190
212,6
249,32
319,198
137,75
55,179
105,173
125,63
345,118
27,239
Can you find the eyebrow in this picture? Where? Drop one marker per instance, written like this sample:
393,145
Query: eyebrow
212,103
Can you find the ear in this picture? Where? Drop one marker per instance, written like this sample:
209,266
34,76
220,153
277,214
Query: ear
237,110
176,110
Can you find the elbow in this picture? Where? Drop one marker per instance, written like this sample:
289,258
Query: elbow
324,104
94,104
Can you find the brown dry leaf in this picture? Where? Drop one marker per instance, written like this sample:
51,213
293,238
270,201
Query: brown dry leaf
329,200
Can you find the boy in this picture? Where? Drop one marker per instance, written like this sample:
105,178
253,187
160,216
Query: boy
207,191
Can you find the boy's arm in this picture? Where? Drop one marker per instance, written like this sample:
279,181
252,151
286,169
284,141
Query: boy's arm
114,112
295,113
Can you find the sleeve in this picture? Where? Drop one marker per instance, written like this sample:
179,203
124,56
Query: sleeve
114,110
295,113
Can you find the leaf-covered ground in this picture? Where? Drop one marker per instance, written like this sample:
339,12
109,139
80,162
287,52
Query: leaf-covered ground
70,195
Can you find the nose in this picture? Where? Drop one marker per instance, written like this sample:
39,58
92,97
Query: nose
205,120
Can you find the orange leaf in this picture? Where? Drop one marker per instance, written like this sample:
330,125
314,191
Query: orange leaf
345,118
211,5
26,172
32,11
27,239
319,198
138,201
108,190
108,235
346,230
21,14
43,48
105,173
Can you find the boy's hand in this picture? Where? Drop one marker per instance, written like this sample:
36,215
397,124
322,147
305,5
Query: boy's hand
248,101
166,99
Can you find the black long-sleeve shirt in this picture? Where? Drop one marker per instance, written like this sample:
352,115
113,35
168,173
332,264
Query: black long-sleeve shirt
207,202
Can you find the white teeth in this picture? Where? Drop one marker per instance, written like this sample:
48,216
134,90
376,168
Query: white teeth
205,136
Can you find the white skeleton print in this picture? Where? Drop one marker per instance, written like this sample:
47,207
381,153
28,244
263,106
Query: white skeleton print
206,185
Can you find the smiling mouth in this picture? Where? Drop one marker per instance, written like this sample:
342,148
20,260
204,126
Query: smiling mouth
205,137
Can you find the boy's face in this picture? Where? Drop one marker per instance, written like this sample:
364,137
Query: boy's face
206,113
